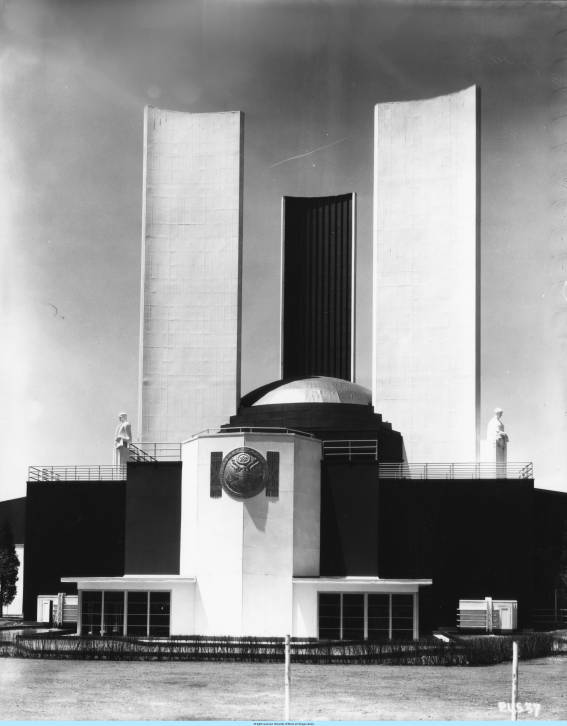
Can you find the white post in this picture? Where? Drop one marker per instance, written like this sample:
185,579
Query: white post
416,615
287,677
489,610
514,681
79,612
60,602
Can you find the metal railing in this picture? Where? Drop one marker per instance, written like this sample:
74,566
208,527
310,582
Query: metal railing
351,448
459,470
252,430
77,473
139,452
549,617
136,454
155,451
340,448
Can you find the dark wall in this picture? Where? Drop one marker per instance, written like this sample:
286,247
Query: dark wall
327,421
13,521
73,528
474,538
349,518
409,520
153,518
550,547
317,286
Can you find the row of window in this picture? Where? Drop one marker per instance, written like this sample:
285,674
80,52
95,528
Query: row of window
366,616
120,612
342,616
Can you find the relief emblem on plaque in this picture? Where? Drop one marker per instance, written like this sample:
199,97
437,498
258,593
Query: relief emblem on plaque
244,472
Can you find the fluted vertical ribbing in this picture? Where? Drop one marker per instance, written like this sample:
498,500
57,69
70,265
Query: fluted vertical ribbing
317,300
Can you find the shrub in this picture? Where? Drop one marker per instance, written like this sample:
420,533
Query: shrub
474,651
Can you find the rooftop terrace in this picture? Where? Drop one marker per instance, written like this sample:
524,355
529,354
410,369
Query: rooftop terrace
335,450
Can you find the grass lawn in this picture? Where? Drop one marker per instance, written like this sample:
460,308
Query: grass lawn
100,690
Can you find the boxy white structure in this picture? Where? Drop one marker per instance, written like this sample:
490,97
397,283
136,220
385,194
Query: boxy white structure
425,372
244,553
191,260
488,614
249,558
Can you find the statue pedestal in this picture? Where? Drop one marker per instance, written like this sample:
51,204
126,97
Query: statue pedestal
121,455
496,453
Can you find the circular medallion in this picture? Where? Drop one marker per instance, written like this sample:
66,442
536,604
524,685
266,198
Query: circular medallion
243,473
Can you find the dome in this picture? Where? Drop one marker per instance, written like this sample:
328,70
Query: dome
317,389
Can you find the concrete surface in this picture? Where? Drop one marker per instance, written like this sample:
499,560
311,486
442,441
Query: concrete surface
425,336
191,249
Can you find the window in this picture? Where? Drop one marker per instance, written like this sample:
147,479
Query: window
116,612
329,615
113,623
91,612
137,617
402,617
353,616
366,616
159,613
378,616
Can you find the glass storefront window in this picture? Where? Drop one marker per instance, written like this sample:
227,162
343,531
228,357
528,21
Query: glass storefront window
378,616
353,616
159,613
402,617
113,622
372,616
91,612
137,621
144,612
329,615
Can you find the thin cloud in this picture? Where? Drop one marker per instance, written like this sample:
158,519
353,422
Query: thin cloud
308,153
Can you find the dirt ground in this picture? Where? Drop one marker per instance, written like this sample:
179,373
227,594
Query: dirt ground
100,690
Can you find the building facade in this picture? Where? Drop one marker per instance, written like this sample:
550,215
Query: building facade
297,508
296,516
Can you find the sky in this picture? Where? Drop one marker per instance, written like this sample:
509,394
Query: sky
75,76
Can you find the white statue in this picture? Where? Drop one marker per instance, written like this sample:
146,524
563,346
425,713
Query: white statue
495,429
498,440
122,439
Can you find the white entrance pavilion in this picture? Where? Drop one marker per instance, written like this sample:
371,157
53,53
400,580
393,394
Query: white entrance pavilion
249,555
